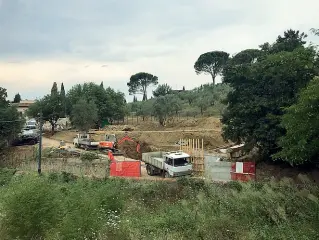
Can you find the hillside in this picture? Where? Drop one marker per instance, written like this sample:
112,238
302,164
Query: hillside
205,100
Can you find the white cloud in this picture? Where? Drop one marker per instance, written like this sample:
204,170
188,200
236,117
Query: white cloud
70,41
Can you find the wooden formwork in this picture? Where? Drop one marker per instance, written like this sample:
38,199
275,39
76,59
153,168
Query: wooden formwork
195,148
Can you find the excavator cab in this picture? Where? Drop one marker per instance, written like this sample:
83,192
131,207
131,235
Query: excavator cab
109,142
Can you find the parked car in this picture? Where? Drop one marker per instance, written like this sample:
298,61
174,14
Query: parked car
26,137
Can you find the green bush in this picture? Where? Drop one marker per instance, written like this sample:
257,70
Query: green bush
29,208
53,208
6,175
89,156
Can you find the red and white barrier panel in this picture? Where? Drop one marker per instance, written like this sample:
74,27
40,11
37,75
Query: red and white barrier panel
124,168
243,171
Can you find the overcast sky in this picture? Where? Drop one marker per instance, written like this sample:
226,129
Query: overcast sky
74,41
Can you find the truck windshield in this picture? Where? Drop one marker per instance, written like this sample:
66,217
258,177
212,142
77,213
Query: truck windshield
180,162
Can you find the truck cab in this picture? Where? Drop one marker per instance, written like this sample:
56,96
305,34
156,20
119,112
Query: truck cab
170,164
177,164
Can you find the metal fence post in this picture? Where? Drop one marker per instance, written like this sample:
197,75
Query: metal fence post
40,145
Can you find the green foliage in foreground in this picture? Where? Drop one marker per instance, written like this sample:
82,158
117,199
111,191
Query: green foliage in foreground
33,207
300,144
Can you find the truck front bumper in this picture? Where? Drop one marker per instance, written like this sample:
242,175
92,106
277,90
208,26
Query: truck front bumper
185,173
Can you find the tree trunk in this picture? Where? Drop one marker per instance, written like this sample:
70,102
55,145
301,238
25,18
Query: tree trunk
213,77
162,121
144,96
52,127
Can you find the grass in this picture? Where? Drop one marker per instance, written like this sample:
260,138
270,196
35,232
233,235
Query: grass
59,206
74,166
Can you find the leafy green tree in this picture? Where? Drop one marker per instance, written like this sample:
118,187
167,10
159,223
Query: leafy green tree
203,101
162,109
162,90
300,144
51,108
116,109
10,121
144,108
102,85
261,90
84,115
139,83
189,96
17,98
246,56
290,41
175,103
211,63
111,105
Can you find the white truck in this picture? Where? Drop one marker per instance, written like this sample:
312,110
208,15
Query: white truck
169,164
83,140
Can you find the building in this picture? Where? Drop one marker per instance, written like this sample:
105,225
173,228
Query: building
179,91
23,105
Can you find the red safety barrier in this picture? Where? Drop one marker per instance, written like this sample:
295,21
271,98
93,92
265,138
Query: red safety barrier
243,171
125,169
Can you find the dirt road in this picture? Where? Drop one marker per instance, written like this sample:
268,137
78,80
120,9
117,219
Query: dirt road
48,142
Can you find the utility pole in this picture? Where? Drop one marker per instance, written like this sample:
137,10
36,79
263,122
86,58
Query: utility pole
40,144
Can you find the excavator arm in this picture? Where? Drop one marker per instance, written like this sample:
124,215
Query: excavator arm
127,138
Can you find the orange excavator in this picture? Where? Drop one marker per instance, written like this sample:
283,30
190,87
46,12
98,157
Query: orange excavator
110,142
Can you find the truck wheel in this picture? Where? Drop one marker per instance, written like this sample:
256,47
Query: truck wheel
149,170
167,175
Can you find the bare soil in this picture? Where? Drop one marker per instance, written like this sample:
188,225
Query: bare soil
156,137
153,137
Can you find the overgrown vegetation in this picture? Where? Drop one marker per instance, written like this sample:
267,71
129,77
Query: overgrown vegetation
10,121
206,100
264,83
53,207
300,144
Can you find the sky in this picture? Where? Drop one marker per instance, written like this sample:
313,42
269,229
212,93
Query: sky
77,41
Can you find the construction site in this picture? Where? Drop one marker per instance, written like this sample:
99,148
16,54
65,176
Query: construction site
142,150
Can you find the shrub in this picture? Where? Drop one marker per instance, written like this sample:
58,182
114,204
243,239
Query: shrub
30,208
6,175
55,208
89,156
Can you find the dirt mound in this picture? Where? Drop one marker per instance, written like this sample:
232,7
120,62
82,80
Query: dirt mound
128,129
195,123
129,149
